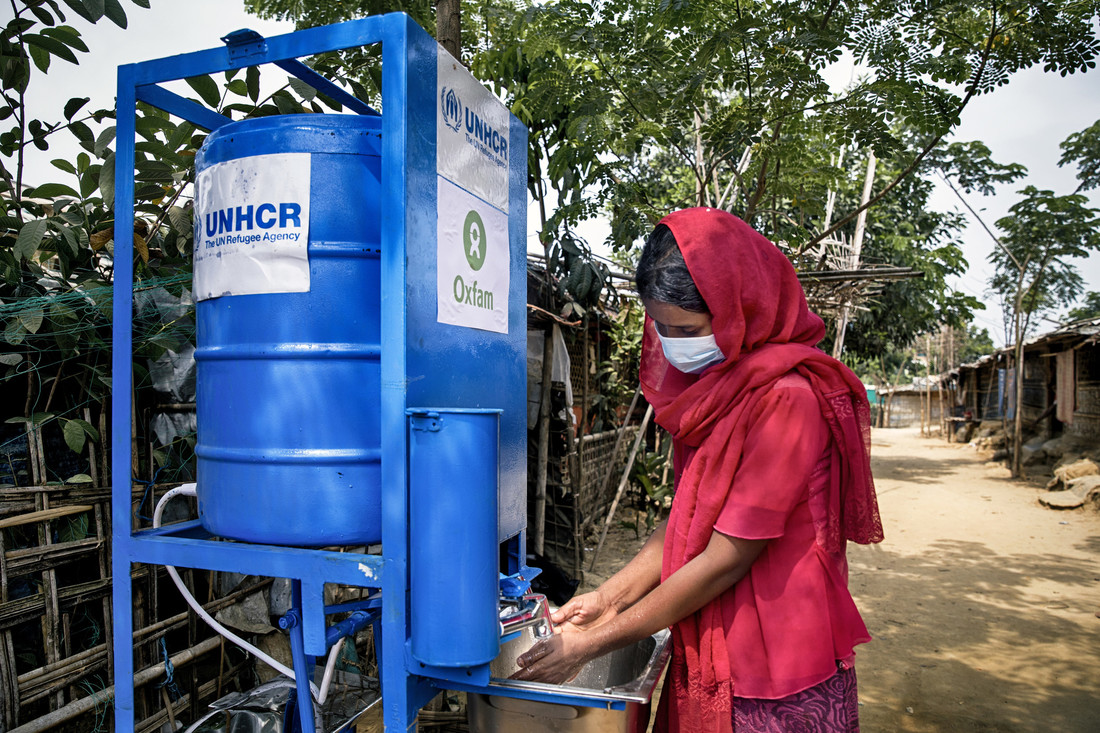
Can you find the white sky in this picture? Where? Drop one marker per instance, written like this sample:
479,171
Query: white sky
1022,122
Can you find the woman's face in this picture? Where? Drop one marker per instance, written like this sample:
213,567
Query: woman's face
673,321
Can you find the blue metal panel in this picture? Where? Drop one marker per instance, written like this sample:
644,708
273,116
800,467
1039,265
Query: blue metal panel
513,468
352,34
468,367
165,546
453,553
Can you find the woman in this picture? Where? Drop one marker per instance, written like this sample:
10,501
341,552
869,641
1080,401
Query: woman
771,454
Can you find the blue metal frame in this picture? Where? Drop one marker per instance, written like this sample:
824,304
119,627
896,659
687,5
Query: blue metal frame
188,545
408,208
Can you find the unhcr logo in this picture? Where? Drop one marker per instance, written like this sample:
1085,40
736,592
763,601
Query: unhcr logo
479,133
451,107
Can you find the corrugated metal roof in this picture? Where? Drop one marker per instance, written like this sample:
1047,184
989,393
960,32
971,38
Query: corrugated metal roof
1085,332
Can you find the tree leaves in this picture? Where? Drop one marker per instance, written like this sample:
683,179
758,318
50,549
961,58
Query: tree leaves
252,82
107,180
89,10
76,434
1042,233
1083,149
74,105
206,88
114,12
30,236
970,164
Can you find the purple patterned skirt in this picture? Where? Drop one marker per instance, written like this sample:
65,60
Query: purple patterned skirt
830,707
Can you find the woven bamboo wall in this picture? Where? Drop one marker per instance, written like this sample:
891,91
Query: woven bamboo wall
56,636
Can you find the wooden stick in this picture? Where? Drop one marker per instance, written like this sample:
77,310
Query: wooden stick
622,483
619,438
544,442
93,470
84,704
44,515
168,707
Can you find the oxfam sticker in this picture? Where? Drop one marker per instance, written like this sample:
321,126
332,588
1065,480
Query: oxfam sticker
473,240
473,262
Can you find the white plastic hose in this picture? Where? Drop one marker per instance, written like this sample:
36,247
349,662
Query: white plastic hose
320,694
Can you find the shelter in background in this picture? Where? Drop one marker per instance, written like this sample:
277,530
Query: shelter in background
908,405
1061,373
573,452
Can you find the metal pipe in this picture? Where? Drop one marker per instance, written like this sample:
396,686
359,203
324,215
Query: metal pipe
291,623
351,625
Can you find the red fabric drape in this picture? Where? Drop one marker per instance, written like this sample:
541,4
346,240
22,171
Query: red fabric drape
762,323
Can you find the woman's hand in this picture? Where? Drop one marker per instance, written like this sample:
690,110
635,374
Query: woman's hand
554,660
583,612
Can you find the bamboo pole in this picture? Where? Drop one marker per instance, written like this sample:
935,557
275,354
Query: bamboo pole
622,484
142,678
857,251
44,515
83,663
104,468
51,619
79,659
941,370
544,442
9,688
619,438
103,557
93,470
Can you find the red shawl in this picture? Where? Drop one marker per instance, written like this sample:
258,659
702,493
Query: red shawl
764,327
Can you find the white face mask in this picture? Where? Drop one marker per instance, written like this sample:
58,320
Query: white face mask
691,355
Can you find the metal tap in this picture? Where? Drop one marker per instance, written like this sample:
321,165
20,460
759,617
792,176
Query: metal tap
530,610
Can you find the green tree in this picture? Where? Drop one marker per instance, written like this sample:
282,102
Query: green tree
902,231
725,104
55,265
639,108
1033,268
56,236
972,344
1089,308
704,82
1083,149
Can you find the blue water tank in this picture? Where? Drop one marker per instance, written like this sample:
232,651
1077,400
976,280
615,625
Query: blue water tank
289,382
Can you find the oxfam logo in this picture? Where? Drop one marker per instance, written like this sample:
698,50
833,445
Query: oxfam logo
473,240
451,107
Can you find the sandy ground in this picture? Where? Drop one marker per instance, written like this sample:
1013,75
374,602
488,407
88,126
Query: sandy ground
982,602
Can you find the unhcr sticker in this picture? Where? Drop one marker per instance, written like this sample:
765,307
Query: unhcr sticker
252,226
471,133
473,261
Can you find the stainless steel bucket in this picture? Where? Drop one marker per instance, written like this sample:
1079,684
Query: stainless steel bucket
628,675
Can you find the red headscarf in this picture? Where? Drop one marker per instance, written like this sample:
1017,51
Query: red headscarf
762,324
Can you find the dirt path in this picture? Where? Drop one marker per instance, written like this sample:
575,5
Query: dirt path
982,603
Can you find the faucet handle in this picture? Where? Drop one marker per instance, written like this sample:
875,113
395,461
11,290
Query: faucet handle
544,627
518,584
532,610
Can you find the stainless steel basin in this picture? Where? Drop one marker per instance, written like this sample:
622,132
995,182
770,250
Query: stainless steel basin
626,676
